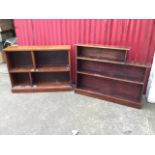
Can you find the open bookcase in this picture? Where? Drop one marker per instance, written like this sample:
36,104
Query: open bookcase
103,72
39,68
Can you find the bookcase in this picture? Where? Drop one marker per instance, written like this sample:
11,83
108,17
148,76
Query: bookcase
39,68
103,72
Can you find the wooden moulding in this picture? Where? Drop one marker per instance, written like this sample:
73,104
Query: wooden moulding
39,68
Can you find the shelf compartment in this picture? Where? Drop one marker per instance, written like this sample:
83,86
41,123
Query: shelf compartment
45,79
118,89
102,53
51,58
102,96
20,80
107,77
19,60
129,73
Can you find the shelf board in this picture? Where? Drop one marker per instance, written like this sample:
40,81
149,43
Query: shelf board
21,70
53,69
111,78
43,87
104,47
100,60
111,62
39,69
16,48
108,98
49,84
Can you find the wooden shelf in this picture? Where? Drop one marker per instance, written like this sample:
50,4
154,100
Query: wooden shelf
21,70
111,78
39,68
98,60
15,48
43,87
117,100
49,84
104,47
53,69
112,62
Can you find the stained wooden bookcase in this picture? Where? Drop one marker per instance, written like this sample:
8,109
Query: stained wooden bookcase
39,68
103,72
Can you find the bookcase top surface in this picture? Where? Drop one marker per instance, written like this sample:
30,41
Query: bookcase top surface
36,48
104,46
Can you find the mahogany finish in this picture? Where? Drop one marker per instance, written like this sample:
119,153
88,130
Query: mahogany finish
125,71
39,68
98,52
106,75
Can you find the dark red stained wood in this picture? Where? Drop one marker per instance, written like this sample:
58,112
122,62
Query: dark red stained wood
33,60
108,98
44,77
19,60
21,70
119,89
51,59
113,62
39,68
101,52
53,69
43,88
126,72
20,79
108,76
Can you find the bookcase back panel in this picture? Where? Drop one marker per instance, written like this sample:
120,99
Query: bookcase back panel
113,70
50,77
51,58
20,79
100,53
118,89
19,59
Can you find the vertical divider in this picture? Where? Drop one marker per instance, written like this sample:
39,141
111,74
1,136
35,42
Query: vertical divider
69,62
126,53
30,77
33,60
